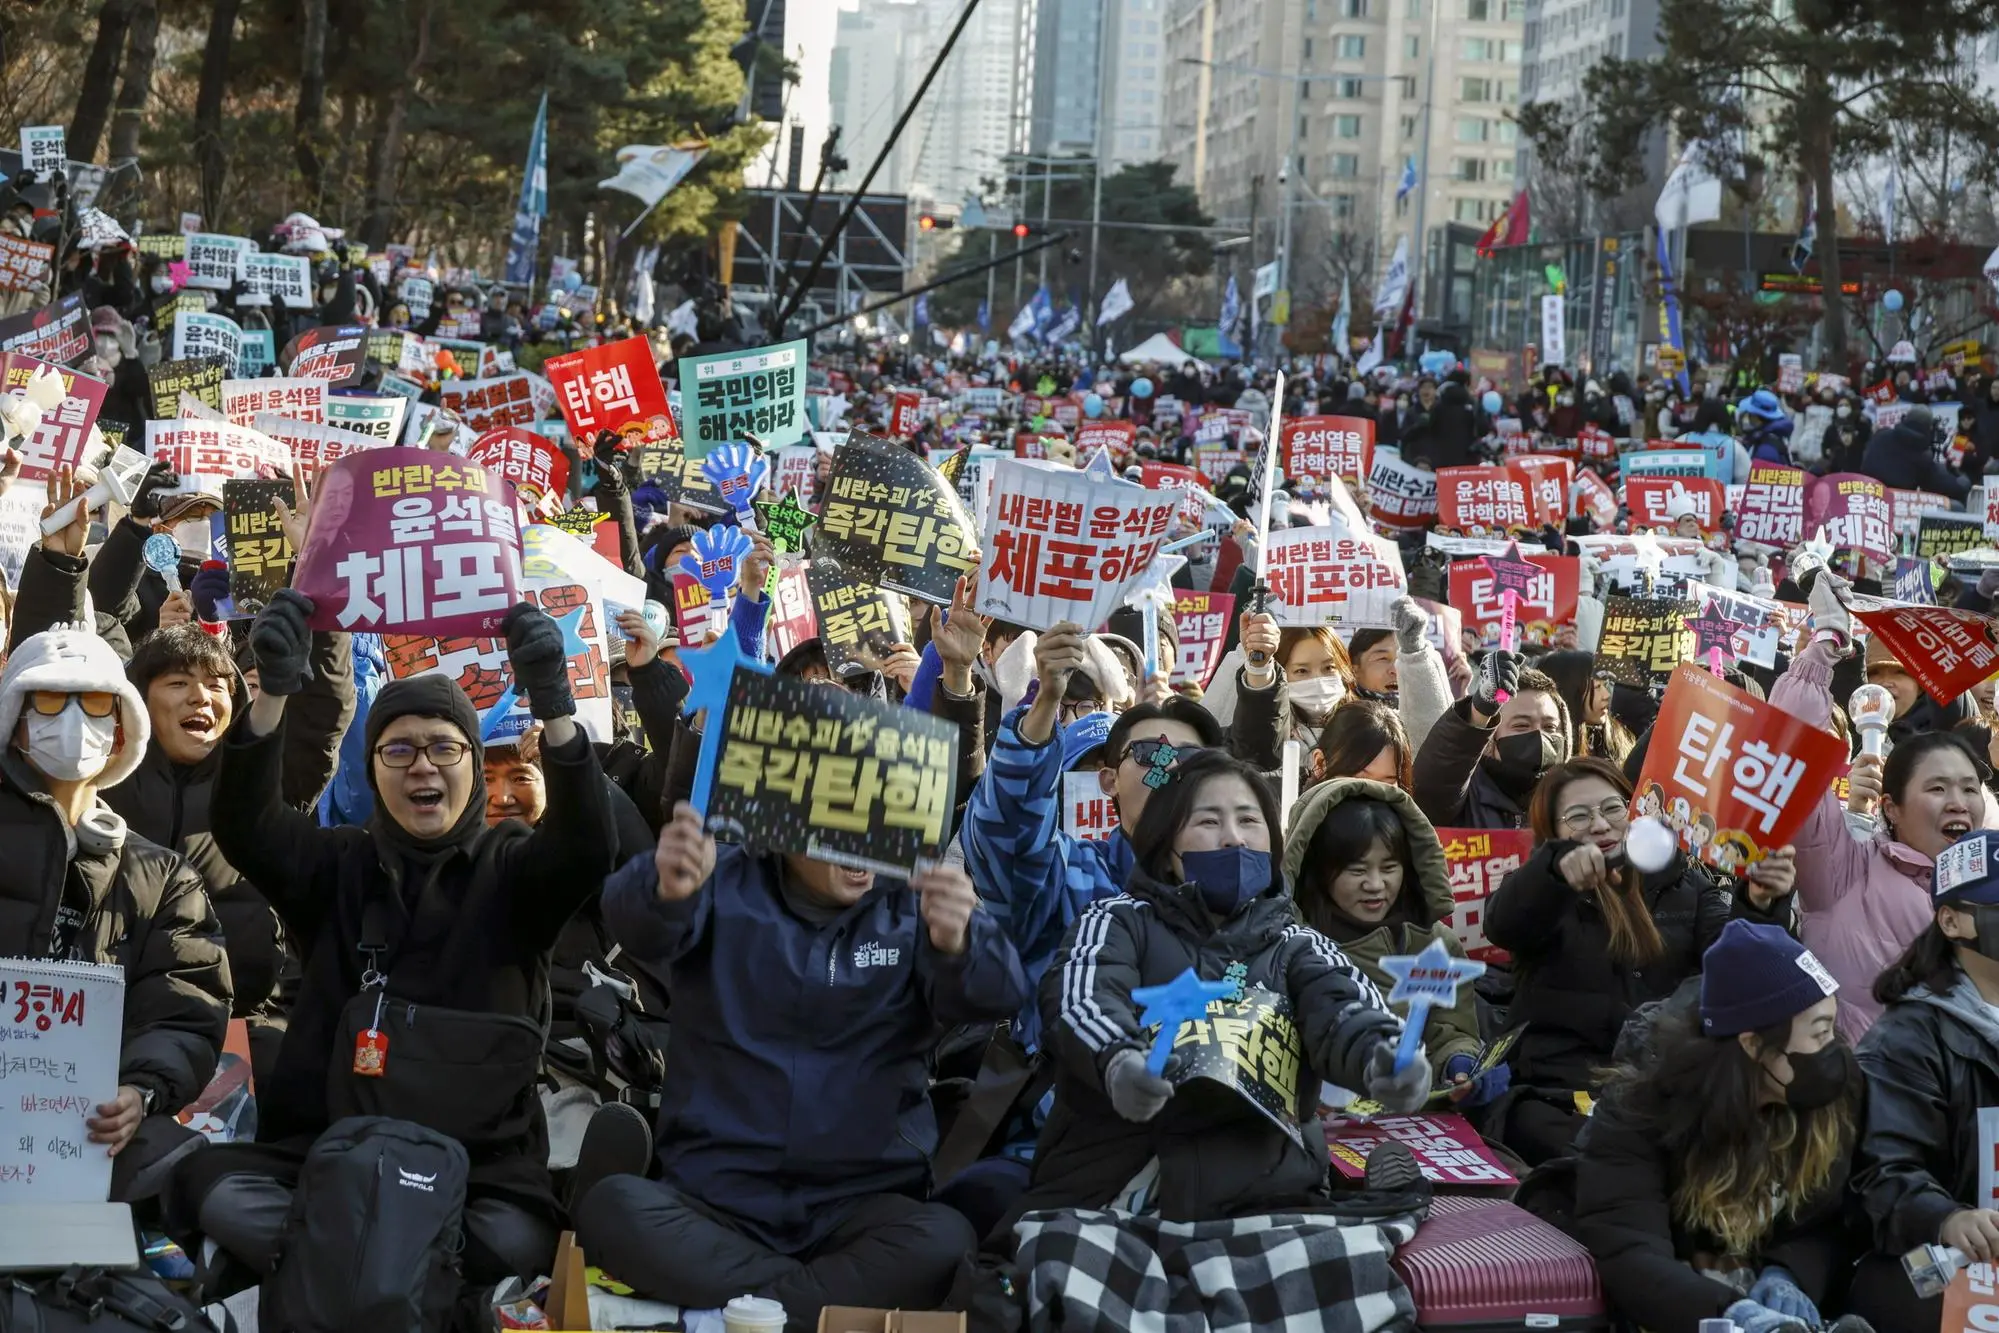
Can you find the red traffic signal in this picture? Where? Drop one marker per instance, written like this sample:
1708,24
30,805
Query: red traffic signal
931,222
1022,230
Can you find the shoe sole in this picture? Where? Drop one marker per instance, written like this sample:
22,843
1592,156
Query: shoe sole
617,1142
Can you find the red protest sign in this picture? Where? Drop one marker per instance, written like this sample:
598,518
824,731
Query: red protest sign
1853,510
1026,444
1595,498
613,387
1773,506
1548,482
1732,776
1550,600
793,618
1446,1148
1202,622
1216,463
1327,447
1115,436
1068,413
1596,442
1654,501
1478,859
1479,501
532,463
1153,476
1946,650
1971,1301
64,433
902,415
24,264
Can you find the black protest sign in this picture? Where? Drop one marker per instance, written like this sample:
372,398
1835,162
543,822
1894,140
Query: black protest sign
57,334
858,623
336,353
832,775
666,465
166,245
1644,638
1252,1046
891,521
201,376
260,556
1947,534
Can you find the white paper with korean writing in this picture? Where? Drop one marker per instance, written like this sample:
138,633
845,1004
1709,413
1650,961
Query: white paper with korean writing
1313,571
1061,547
548,554
208,453
297,398
1087,810
61,1033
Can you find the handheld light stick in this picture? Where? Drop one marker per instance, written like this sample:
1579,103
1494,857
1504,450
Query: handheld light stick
1872,708
1149,596
163,558
1178,1001
1271,445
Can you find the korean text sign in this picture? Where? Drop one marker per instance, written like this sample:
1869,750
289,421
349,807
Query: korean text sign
890,520
1062,547
1732,776
858,624
1550,601
1202,620
215,449
488,404
260,555
1327,447
57,333
1946,650
1482,500
1854,512
1644,638
61,1031
1773,506
1402,494
299,399
1478,859
314,445
1251,1046
730,395
832,775
1314,571
611,388
1447,1149
1653,500
414,541
534,465
64,434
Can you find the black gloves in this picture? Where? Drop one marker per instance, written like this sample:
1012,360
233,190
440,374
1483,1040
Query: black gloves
1498,674
541,669
159,477
282,643
611,461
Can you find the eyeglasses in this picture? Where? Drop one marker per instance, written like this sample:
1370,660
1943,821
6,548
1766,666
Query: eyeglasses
1581,817
1075,710
95,703
401,754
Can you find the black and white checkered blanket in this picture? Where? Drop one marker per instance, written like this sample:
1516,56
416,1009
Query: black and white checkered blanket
1277,1273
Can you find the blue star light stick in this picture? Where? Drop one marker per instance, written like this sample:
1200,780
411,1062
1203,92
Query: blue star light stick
1422,980
711,670
1179,1001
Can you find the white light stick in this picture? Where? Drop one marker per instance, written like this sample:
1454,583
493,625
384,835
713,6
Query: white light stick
1271,444
1294,755
118,480
1871,708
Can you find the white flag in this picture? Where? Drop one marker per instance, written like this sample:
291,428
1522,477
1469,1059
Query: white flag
1266,280
1371,357
1023,323
648,172
1395,286
1117,301
1888,207
1691,194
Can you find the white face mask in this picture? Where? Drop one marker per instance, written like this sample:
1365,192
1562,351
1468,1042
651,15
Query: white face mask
1315,697
71,746
162,285
1844,411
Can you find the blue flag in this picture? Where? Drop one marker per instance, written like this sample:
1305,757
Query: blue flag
1408,181
1231,317
985,316
921,315
533,205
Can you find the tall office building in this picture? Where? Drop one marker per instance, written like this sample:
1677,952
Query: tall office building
1563,38
972,117
877,61
1136,128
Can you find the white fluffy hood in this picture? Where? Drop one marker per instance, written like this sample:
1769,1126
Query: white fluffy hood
72,659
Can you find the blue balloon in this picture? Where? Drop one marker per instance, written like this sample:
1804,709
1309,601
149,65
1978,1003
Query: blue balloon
1492,402
1141,387
1891,299
1093,406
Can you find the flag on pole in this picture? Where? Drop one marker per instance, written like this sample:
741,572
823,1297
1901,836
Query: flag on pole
1408,181
1372,356
1512,227
921,315
1343,321
1801,249
1396,285
1065,325
985,319
533,204
647,172
1117,301
1043,306
1691,194
1669,306
1022,327
1230,317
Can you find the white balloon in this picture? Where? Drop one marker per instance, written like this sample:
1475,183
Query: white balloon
1650,844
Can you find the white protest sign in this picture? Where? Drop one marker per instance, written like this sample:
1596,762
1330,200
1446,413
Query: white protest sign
205,335
416,295
379,417
547,552
297,398
215,262
1061,547
314,444
205,452
286,279
62,1029
1553,313
1314,571
43,151
21,508
1086,811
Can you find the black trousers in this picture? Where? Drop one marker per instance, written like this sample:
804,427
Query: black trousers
1881,1295
1538,1131
888,1251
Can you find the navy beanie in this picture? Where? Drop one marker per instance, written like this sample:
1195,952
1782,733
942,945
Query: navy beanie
1755,977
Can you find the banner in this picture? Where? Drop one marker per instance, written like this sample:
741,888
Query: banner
533,464
1595,499
832,775
214,263
379,417
1652,501
168,380
286,279
314,445
1853,510
24,264
1650,462
858,624
1732,776
208,453
1116,436
1549,603
1946,650
1907,508
1946,534
1478,859
62,1026
790,619
337,354
1548,481
1215,463
44,153
1314,572
1201,620
63,438
1773,506
1644,638
57,334
490,404
1087,812
299,399
1447,1149
1482,501
1061,547
260,555
1401,495
729,395
402,541
1250,1045
613,387
1327,447
198,336
1763,626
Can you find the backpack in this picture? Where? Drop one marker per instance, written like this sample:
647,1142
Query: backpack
92,1299
374,1233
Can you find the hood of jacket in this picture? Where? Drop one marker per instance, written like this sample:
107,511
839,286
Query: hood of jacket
1432,902
1963,1003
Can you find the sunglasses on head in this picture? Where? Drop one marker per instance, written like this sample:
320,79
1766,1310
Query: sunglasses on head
95,703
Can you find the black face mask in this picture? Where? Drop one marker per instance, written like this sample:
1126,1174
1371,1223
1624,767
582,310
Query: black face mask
1521,761
1821,1078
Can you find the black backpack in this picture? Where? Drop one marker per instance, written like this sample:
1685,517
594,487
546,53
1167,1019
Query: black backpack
91,1300
374,1233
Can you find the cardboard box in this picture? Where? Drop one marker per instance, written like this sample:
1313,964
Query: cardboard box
856,1319
568,1295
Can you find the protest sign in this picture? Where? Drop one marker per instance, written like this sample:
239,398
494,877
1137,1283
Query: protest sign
1907,508
790,620
62,1029
208,453
891,521
792,470
20,526
1853,510
1971,1299
1115,436
379,417
1402,495
1654,501
1060,546
491,404
1594,499
299,399
902,409
832,775
200,336
598,532
1250,1045
1651,462
1447,1149
1214,463
533,464
168,380
1773,506
613,387
858,623
414,541
24,264
664,463
1548,603
314,445
415,294
558,552
1478,859
1730,814
1481,501
63,437
193,409
168,245
1315,571
1916,580
57,334
729,395
260,555
1548,480
181,303
214,263
1327,447
1087,810
695,612
336,353
1643,638
286,279
1763,626
1946,650
1945,534
43,150
1202,622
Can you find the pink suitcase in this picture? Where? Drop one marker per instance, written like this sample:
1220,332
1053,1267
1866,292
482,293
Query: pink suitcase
1482,1265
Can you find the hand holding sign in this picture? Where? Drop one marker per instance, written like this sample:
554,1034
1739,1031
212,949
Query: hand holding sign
737,473
1422,980
713,565
1178,1001
1513,578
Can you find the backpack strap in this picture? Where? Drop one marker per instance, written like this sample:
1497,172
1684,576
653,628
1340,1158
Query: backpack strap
22,1313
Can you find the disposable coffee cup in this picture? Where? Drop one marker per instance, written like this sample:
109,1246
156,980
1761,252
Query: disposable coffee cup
1718,1326
753,1314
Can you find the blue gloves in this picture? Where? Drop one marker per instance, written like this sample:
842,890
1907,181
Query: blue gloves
1487,1087
1776,1289
209,586
1753,1318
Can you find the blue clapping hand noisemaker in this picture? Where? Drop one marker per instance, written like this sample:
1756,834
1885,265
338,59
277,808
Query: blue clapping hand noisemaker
1423,980
737,473
717,559
1180,1000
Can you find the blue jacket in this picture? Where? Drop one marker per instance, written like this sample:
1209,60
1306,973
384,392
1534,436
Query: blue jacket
798,1077
1036,878
348,798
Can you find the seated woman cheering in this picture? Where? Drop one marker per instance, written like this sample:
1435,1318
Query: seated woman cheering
1201,896
1713,1175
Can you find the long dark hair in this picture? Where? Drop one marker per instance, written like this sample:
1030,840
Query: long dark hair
1347,833
1930,961
1634,936
1166,811
1574,674
1360,729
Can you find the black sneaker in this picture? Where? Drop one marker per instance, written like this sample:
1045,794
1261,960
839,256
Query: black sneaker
1391,1167
617,1142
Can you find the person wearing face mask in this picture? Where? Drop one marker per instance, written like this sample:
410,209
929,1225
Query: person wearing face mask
1923,1169
1711,1179
1845,442
1203,895
1593,938
1480,763
76,883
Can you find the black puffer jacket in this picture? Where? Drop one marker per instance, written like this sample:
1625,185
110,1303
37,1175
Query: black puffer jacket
1904,456
1573,996
1218,1155
147,913
1451,786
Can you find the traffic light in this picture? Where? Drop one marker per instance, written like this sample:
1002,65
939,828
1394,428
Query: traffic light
931,222
1023,230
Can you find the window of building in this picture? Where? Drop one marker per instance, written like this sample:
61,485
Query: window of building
1344,166
1304,90
1402,205
1353,47
1468,168
1409,86
1415,9
1509,52
1474,49
1353,9
1343,206
1409,127
1412,47
1478,11
1349,88
1506,131
1346,127
1304,129
1502,169
1516,10
1311,11
1505,91
1474,90
1472,129
1470,210
1308,48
